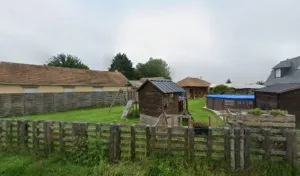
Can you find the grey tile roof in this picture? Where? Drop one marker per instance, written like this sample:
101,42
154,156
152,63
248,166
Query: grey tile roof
284,64
167,86
289,75
279,88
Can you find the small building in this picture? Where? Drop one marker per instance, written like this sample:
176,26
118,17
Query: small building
280,96
27,78
157,97
194,87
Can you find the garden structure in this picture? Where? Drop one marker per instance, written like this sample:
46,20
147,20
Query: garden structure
223,102
157,97
280,96
195,87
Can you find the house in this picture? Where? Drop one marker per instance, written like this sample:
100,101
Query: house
195,87
285,72
157,97
280,96
26,78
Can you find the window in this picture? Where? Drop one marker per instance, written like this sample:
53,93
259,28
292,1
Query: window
278,73
98,89
68,89
29,90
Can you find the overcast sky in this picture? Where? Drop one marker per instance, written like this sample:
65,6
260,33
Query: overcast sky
240,40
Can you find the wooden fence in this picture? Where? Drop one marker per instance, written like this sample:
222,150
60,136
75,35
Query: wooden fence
235,146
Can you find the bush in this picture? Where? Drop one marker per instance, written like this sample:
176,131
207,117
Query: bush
221,89
277,112
200,124
256,112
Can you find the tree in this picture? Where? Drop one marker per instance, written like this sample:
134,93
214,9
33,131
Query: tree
260,82
122,64
154,68
221,89
228,81
69,61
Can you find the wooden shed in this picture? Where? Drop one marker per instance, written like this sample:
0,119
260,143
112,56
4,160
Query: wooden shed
195,87
280,96
157,97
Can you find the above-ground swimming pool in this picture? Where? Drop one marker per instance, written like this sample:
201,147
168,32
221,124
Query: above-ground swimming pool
223,102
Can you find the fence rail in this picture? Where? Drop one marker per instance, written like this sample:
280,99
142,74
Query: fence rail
236,146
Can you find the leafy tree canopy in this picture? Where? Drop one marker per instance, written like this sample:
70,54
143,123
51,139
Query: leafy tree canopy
221,89
69,61
122,64
154,68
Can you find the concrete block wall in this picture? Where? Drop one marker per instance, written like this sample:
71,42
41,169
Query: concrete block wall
39,103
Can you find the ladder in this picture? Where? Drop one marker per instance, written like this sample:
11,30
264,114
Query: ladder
129,105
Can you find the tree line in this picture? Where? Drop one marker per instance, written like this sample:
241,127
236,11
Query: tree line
154,67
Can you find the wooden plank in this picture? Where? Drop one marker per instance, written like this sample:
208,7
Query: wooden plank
111,143
62,137
132,146
169,140
186,144
237,148
191,144
291,149
34,140
148,141
227,146
247,146
267,144
209,143
117,143
45,133
153,137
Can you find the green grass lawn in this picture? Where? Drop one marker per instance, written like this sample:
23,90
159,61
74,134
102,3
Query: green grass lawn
102,114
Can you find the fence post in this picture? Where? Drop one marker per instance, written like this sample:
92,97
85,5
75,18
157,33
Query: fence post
153,138
62,137
232,147
1,135
186,143
267,144
247,146
111,143
242,146
291,147
169,140
237,147
191,143
25,132
34,140
46,142
209,144
148,141
132,145
227,145
19,135
117,143
50,137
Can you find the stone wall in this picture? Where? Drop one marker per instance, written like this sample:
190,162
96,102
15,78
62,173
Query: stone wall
39,103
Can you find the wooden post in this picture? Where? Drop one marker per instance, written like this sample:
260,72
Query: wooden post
191,143
117,143
169,140
267,144
247,146
227,145
50,137
237,148
1,135
172,121
111,143
291,147
148,141
19,135
132,145
232,147
62,137
25,130
46,142
153,138
242,136
34,140
209,121
186,143
209,144
8,134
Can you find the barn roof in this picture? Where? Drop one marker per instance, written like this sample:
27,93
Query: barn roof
165,86
279,88
26,74
193,82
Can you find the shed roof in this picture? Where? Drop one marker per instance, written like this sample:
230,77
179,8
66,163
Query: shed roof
193,82
279,88
26,74
165,86
143,80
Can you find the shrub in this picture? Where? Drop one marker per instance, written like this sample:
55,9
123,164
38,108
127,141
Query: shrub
277,112
221,89
256,112
200,124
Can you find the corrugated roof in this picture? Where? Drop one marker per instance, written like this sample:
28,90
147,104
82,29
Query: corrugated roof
193,82
165,86
16,73
279,88
143,80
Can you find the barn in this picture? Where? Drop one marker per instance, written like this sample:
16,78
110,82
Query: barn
280,96
157,97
